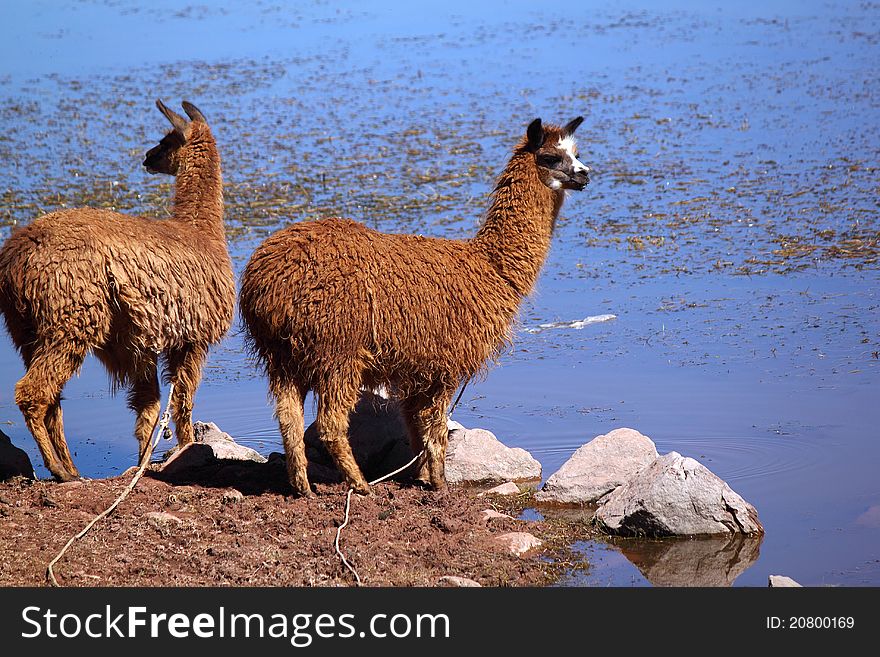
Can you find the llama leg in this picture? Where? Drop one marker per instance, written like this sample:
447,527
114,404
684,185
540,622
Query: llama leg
38,390
426,421
436,440
335,402
186,373
55,427
289,399
417,431
144,398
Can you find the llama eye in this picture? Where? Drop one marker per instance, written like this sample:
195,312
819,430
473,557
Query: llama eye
549,160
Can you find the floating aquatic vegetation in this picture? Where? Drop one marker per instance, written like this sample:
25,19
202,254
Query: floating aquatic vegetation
575,324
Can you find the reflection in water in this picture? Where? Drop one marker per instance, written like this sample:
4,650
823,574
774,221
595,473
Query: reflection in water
715,561
870,518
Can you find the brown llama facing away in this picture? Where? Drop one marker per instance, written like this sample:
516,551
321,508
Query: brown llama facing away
331,306
130,289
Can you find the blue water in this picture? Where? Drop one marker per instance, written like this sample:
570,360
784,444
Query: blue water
721,135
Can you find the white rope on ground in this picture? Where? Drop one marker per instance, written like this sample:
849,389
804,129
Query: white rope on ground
145,461
348,506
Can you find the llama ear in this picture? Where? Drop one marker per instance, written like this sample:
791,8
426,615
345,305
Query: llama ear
193,112
572,125
535,134
176,120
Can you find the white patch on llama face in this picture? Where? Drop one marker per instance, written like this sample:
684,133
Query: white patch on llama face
568,144
555,184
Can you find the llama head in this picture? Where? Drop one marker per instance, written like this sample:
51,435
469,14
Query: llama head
167,155
555,152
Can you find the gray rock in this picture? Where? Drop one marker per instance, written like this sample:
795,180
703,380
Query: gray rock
476,455
211,446
676,496
222,444
782,582
598,467
453,581
705,561
14,462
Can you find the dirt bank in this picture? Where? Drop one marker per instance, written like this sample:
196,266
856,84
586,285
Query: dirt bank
255,535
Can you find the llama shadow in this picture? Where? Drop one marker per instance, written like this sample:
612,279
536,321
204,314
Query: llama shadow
203,469
378,439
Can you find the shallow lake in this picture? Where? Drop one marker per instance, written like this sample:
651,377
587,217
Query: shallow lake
732,226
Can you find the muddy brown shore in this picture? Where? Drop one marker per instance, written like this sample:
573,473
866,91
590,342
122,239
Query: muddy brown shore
256,535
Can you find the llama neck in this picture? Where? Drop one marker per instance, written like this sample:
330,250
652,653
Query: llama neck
198,196
515,235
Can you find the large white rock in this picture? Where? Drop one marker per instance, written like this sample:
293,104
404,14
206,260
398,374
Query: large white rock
476,455
14,462
676,496
598,467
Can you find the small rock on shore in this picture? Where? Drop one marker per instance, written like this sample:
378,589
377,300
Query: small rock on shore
211,445
517,543
508,488
782,582
453,581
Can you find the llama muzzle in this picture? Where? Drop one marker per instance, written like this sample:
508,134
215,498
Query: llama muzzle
579,180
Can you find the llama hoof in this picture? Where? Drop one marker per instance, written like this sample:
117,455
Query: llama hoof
428,485
438,485
303,492
63,477
361,488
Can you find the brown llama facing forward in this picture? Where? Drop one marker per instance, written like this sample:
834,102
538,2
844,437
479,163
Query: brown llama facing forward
331,306
130,289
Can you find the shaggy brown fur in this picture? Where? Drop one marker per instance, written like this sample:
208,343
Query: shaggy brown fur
331,306
128,289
